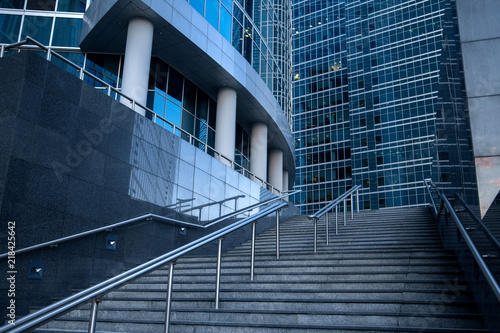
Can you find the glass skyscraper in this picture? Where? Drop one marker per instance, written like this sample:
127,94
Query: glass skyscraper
370,81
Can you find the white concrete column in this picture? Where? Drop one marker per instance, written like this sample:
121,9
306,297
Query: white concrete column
258,151
225,124
275,169
285,182
137,61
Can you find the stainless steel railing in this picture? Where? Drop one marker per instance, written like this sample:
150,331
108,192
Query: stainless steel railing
329,207
134,105
95,293
445,205
147,217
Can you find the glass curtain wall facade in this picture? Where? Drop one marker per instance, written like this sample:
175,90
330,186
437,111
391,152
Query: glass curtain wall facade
392,69
320,103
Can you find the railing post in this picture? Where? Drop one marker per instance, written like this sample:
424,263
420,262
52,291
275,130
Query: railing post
278,234
48,54
169,296
315,234
326,220
217,289
2,50
357,200
336,220
93,315
352,206
345,211
252,260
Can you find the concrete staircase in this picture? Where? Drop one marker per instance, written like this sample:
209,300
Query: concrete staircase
386,271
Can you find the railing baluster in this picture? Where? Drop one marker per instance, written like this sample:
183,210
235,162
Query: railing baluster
352,207
357,200
315,234
2,50
345,211
336,220
93,315
277,234
169,296
252,261
217,288
326,220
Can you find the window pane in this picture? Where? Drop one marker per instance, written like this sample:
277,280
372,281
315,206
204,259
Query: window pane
175,80
41,5
212,14
198,5
76,58
19,4
227,3
71,6
173,113
202,105
9,28
189,96
38,28
103,66
67,32
225,24
237,36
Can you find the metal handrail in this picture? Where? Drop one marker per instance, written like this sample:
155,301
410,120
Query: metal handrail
134,103
220,202
445,203
329,206
96,292
494,241
147,217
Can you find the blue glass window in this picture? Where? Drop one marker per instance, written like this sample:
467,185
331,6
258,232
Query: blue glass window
227,3
9,28
225,24
67,32
71,6
212,14
198,5
173,113
37,27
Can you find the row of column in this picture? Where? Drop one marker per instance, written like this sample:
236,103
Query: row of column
135,85
267,167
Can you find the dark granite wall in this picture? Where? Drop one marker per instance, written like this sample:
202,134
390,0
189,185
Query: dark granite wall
72,159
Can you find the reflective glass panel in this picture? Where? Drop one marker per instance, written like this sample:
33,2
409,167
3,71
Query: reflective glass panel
71,6
212,14
76,58
19,4
225,24
198,5
227,3
41,5
104,66
67,32
9,28
175,81
173,113
189,96
38,28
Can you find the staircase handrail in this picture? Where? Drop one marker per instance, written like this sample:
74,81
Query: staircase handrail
335,202
329,206
147,217
96,292
445,204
